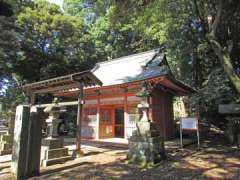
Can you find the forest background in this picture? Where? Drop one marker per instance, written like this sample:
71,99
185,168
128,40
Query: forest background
201,39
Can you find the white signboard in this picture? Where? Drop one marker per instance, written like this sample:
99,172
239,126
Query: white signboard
189,123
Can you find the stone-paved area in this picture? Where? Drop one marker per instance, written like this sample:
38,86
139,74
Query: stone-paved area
215,160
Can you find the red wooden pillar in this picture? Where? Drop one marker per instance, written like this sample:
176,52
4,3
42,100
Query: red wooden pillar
125,113
113,121
150,111
98,116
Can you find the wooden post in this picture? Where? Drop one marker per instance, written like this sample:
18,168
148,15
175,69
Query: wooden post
198,138
79,121
125,114
180,130
98,117
150,111
32,99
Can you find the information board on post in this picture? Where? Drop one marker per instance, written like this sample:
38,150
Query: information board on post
190,124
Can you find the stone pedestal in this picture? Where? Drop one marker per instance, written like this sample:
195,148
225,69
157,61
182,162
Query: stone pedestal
53,151
146,147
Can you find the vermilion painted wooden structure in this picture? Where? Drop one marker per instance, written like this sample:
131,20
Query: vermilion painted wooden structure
111,110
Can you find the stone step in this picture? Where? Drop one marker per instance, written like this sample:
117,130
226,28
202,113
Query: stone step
49,162
56,153
52,143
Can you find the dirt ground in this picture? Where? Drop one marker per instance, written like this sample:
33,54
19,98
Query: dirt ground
215,160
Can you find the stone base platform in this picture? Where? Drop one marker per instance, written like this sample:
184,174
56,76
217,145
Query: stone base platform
145,145
53,152
144,152
61,160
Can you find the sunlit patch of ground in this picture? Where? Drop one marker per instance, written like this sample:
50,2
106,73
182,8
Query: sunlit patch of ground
215,161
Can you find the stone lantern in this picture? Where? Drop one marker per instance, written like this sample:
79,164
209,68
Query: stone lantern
52,121
53,151
145,145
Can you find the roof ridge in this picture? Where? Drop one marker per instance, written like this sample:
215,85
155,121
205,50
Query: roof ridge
131,55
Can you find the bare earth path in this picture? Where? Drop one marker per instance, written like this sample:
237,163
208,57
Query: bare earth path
214,161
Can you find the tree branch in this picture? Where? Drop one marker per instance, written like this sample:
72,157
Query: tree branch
217,48
198,14
215,24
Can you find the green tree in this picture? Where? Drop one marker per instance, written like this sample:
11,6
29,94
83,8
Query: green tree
202,44
188,33
53,43
88,9
10,51
111,39
221,24
9,48
38,41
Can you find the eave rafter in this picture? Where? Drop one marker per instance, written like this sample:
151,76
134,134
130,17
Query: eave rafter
62,83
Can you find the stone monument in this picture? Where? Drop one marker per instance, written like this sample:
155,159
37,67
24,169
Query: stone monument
6,139
146,147
20,143
53,151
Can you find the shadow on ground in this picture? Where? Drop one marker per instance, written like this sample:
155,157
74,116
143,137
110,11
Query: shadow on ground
214,161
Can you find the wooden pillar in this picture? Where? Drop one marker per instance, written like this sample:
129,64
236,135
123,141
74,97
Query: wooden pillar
98,117
32,99
79,121
150,111
125,113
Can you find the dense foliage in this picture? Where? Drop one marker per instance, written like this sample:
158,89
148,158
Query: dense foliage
201,39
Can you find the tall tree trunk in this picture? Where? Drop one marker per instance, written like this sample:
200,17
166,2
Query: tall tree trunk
223,53
229,70
224,56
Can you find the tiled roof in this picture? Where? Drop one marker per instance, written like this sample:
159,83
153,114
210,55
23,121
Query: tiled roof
131,68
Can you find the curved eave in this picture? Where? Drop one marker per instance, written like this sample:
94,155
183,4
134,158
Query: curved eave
182,88
179,88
